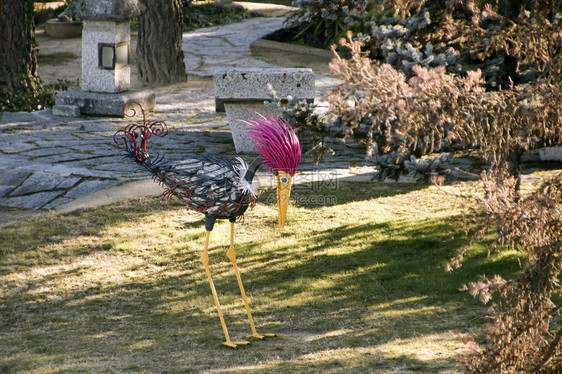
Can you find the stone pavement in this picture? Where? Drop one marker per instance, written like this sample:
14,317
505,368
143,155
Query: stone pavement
49,162
226,46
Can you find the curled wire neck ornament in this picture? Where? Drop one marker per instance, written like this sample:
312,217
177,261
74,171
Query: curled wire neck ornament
136,135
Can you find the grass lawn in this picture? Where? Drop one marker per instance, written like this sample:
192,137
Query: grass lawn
356,286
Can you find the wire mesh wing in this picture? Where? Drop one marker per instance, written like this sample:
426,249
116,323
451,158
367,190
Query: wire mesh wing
210,185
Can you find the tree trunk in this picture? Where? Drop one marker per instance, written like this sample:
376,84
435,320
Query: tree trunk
161,58
18,60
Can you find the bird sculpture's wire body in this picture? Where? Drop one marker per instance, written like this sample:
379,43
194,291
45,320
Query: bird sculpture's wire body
218,187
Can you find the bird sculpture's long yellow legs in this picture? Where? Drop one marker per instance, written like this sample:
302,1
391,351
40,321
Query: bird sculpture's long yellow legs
205,261
231,254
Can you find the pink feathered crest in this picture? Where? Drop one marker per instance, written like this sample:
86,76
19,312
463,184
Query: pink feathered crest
276,142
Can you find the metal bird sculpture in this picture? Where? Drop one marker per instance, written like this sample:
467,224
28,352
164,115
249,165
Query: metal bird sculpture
218,187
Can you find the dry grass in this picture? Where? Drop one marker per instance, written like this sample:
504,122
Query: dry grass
357,286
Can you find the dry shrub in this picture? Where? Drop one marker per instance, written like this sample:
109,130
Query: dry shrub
526,329
504,125
319,23
384,110
435,111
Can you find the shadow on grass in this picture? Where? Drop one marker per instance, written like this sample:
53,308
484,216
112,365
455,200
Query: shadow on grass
326,193
404,257
353,266
344,299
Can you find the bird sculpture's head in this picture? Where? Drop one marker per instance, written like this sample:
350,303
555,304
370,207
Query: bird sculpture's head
280,151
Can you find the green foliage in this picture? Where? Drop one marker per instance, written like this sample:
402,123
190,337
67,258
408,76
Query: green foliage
429,170
320,23
59,57
510,41
43,13
23,101
197,15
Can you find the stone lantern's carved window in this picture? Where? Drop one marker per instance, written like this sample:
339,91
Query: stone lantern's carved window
113,56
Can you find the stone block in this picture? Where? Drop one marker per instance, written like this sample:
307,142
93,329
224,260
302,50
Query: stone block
34,201
236,113
241,93
66,110
43,152
550,154
17,147
5,189
58,202
259,84
68,183
13,177
89,187
39,182
106,104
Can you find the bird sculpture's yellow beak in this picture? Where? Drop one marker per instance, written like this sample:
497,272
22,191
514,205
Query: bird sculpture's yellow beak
284,182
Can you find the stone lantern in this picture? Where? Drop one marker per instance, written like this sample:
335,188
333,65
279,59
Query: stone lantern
106,73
